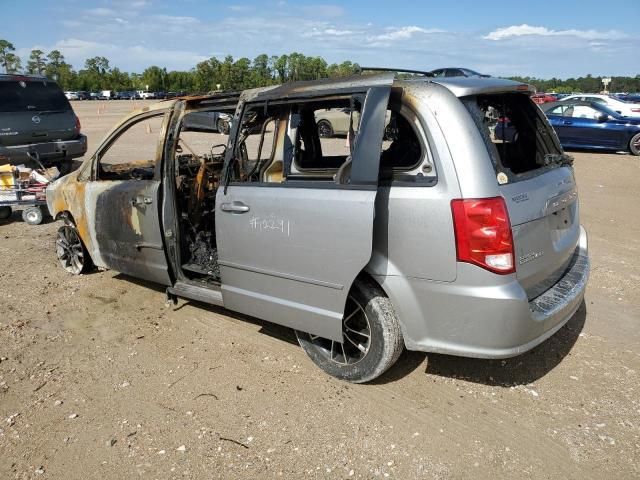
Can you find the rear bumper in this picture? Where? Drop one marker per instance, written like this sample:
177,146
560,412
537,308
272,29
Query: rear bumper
46,152
483,315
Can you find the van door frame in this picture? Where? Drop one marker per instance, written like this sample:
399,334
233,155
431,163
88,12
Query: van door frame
290,291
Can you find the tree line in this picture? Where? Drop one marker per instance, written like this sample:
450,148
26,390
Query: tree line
230,74
211,74
588,84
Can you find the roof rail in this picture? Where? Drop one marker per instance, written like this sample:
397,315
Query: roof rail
397,70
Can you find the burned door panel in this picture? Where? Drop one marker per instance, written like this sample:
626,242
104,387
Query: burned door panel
123,197
128,232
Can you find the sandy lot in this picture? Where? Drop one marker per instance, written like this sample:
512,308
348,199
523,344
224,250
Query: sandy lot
99,380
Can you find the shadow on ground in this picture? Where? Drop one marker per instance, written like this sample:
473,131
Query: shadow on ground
266,328
520,370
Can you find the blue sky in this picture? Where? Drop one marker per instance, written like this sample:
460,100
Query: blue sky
543,38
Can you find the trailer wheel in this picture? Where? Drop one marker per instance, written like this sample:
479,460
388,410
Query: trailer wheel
5,212
32,215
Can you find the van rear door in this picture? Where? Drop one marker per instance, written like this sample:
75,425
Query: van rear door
537,182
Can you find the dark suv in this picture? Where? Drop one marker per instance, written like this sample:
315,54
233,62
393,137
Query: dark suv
37,123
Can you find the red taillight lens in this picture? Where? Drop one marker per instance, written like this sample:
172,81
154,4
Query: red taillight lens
483,233
635,109
77,124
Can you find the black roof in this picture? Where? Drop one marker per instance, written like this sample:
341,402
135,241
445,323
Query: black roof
5,77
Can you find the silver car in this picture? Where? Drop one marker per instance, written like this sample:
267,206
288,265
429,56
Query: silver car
422,231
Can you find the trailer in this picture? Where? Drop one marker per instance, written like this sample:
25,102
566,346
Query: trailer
25,188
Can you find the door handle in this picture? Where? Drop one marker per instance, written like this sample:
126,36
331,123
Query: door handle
567,123
235,207
140,200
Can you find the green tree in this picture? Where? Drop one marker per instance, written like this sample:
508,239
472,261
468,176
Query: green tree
153,78
180,81
95,75
12,63
37,62
59,70
6,47
99,65
260,71
118,80
342,70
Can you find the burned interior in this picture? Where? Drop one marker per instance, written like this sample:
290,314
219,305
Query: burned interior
276,143
199,159
523,140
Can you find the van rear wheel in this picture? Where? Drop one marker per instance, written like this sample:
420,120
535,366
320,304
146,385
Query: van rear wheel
371,337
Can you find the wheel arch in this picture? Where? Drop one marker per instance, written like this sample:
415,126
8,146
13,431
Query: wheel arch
64,215
629,145
67,217
379,282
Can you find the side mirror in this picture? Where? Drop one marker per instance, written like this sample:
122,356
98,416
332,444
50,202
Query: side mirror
602,118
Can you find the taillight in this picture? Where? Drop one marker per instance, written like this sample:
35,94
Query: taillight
635,109
483,233
77,124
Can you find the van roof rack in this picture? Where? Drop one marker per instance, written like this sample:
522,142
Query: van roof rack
397,70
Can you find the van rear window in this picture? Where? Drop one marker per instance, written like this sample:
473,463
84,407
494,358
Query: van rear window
31,96
518,137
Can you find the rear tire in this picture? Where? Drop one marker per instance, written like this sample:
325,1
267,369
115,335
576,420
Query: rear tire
33,215
371,337
5,212
634,145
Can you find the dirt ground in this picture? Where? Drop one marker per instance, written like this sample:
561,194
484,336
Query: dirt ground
99,380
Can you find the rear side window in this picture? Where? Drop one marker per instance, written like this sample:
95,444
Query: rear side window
31,96
519,139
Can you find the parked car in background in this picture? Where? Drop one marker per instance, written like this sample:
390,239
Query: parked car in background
71,95
82,95
94,96
623,108
593,125
435,240
106,95
37,123
125,95
335,121
207,122
457,72
543,98
631,97
145,95
504,130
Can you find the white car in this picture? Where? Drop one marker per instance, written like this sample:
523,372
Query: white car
623,108
72,95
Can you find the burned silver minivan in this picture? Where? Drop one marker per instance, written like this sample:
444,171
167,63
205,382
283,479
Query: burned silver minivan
416,229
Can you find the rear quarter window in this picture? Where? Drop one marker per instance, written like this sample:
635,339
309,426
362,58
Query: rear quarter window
519,140
31,96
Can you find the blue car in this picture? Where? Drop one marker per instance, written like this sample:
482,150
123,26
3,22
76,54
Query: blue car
592,125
